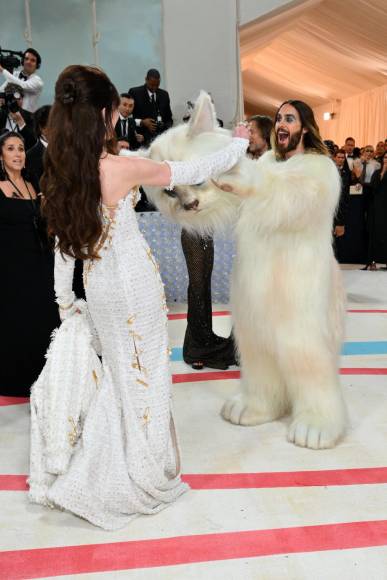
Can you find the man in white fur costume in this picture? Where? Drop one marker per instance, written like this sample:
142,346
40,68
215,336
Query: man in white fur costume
287,297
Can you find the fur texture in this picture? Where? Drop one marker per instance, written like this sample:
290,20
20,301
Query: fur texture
202,135
287,296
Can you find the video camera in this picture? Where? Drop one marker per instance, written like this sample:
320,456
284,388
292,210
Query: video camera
10,59
10,98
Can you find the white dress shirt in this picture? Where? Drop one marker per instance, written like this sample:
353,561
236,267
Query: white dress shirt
32,88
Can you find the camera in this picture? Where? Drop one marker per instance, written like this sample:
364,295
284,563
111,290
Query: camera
10,98
10,59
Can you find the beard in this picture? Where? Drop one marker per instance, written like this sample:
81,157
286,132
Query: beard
294,140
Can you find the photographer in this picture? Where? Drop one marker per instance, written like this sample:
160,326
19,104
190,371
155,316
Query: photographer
13,117
152,110
26,79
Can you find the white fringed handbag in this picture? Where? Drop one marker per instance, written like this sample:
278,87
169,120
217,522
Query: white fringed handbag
60,399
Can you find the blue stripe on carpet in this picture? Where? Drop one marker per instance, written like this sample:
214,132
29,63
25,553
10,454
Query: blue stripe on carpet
369,347
348,349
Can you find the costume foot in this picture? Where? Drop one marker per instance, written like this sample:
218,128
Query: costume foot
314,432
237,411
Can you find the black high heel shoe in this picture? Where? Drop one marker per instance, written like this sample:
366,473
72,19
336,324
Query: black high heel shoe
371,266
197,365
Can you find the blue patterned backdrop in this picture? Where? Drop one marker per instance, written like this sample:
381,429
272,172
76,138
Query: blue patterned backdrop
163,237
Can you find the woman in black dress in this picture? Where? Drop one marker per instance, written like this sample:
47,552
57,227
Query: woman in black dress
378,216
28,312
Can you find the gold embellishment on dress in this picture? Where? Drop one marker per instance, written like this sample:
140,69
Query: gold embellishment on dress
152,259
146,416
95,377
131,319
134,335
73,435
105,241
143,383
140,368
136,353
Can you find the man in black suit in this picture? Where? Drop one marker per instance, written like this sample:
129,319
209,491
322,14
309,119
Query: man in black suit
35,156
349,154
14,118
152,109
125,128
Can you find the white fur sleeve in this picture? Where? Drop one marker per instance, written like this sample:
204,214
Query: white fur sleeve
198,170
63,285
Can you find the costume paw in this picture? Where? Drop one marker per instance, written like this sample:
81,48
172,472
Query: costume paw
238,411
314,432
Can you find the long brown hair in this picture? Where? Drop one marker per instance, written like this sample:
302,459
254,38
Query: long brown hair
313,142
78,134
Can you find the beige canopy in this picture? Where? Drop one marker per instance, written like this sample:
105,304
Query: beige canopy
331,54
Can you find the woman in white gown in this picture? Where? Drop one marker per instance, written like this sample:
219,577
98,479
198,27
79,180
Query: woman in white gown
126,461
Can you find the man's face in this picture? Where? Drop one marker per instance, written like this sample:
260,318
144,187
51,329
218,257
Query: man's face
30,63
379,151
257,142
126,106
288,130
349,146
339,159
152,84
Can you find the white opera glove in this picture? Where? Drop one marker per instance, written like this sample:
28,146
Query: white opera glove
63,284
211,166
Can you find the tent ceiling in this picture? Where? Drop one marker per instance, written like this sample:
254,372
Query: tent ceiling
315,50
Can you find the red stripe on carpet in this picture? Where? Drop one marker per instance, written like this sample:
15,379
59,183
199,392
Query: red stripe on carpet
201,481
363,371
183,315
4,401
330,477
42,562
373,311
13,483
200,376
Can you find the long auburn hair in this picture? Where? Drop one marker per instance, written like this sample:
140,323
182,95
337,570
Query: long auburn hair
78,135
313,142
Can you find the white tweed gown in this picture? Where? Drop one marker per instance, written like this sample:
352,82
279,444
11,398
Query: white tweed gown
125,462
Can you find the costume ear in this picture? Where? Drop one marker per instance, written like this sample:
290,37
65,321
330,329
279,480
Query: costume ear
203,118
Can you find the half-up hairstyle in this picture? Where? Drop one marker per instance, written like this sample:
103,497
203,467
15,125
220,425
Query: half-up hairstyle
312,140
78,135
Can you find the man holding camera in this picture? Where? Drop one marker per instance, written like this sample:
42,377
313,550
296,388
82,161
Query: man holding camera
152,110
26,79
13,117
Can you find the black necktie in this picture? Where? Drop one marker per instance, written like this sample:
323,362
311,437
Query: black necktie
124,131
153,103
22,76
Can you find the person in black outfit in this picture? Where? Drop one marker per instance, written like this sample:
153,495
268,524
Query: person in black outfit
125,128
152,109
342,208
377,219
28,311
35,156
18,120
